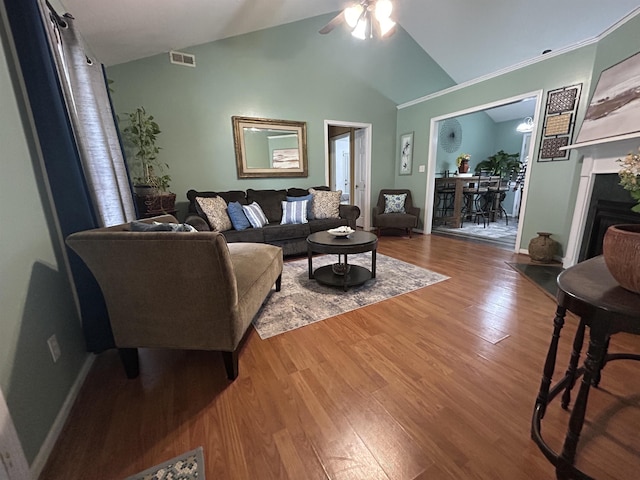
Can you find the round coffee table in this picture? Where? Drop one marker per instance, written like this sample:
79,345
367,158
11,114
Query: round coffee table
342,274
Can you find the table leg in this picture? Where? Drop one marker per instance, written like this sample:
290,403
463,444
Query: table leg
373,263
550,362
573,365
346,273
457,205
592,363
310,255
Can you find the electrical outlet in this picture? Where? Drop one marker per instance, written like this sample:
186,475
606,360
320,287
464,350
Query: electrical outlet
54,348
421,168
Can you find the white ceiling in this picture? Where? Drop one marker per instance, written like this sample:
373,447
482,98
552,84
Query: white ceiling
468,38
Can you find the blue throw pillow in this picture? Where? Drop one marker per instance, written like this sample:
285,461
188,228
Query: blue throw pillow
294,212
394,203
255,215
309,199
238,218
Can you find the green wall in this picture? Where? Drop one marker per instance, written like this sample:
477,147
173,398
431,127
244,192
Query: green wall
34,289
288,72
553,184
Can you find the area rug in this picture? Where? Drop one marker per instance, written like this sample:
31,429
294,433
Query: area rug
188,466
543,275
302,301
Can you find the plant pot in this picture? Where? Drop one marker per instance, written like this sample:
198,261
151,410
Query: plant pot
542,248
464,166
621,250
144,190
152,205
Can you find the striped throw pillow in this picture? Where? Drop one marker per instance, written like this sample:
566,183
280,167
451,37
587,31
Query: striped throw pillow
256,216
294,212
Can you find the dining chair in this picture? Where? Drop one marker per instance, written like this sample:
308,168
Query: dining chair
475,198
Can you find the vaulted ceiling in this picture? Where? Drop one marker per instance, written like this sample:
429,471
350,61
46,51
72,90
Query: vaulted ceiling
468,38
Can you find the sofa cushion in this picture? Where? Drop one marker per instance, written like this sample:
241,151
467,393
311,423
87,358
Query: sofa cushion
215,211
326,224
274,232
255,215
301,192
252,235
234,196
269,201
326,204
309,198
294,212
394,203
237,216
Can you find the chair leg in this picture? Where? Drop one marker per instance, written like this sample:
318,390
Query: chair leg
130,361
409,230
279,283
231,364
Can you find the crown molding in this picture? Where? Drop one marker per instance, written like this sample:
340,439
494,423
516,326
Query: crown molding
523,64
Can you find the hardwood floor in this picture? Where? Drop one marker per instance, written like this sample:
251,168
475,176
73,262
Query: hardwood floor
436,384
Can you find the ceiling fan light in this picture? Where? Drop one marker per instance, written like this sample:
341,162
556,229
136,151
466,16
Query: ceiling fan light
383,10
386,25
360,30
352,15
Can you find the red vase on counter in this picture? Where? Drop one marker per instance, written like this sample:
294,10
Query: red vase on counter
464,166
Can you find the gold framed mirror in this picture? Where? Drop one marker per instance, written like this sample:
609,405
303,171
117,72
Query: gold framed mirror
270,148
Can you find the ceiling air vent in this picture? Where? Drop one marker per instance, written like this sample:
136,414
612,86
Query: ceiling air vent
180,58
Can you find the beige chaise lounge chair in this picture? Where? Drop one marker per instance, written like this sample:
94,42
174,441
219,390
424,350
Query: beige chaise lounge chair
178,290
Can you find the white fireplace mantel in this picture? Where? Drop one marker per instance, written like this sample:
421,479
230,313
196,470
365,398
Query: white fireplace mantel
599,156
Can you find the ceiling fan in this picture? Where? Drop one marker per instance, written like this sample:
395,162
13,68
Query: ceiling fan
360,18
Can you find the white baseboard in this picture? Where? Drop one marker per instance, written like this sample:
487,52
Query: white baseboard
50,441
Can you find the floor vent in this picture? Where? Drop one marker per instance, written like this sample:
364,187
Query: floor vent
180,58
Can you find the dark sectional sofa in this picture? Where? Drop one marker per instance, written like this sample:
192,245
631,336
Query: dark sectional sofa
291,238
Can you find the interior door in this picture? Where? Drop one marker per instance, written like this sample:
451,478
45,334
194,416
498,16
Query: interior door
340,165
360,172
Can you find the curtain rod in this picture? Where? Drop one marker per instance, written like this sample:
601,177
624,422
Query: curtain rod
59,20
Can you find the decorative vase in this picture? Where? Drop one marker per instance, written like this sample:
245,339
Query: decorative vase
621,250
464,166
542,248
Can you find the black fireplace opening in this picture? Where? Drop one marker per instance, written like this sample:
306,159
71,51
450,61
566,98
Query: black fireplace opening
610,204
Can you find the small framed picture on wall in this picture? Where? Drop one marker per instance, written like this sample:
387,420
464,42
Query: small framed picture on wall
406,153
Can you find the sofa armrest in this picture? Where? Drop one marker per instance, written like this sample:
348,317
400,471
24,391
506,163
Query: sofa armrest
413,211
350,213
198,223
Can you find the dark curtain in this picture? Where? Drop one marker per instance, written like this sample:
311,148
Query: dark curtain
72,190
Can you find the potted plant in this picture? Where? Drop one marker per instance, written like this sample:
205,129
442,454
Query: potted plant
150,182
500,163
463,162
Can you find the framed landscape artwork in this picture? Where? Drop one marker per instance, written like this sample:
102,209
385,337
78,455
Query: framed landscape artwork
615,106
406,153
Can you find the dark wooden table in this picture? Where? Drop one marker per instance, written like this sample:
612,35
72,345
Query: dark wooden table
589,291
357,242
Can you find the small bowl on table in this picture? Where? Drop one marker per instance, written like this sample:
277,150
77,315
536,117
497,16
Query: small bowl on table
341,232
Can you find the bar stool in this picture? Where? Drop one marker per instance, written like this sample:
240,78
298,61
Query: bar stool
589,291
445,194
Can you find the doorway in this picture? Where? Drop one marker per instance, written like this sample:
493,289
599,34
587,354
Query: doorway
348,164
510,109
